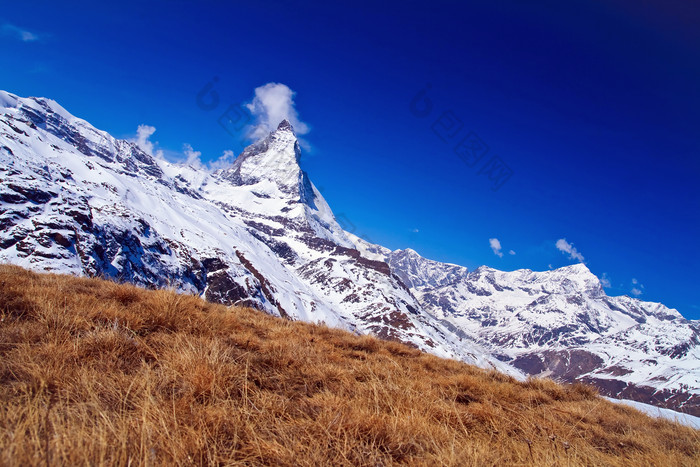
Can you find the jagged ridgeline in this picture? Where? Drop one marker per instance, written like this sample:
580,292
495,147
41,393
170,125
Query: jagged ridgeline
259,234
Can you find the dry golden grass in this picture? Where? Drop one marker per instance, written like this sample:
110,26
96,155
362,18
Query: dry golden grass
94,372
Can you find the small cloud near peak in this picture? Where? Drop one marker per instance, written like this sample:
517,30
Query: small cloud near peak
143,141
273,103
568,248
495,245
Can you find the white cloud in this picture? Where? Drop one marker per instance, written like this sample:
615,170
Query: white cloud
637,288
605,280
415,230
273,103
495,245
222,162
192,157
188,155
566,247
511,252
19,33
143,141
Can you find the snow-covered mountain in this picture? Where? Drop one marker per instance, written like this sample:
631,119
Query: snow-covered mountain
74,199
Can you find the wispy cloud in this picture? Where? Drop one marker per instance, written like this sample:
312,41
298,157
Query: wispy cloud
637,288
19,33
143,141
188,156
222,162
568,248
192,158
274,102
511,252
605,280
495,245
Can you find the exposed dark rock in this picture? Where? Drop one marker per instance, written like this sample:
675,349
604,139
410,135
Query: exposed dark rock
563,364
222,289
379,266
265,285
35,195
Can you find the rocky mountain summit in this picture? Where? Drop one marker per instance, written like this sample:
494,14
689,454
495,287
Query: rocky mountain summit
73,199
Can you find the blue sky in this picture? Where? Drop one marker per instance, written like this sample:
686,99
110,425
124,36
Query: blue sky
592,106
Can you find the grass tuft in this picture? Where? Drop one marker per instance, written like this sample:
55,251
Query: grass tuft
93,372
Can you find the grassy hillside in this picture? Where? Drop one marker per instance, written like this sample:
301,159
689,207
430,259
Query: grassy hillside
93,372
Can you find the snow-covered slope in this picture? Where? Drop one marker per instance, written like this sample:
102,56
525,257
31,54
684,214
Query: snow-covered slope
658,412
74,199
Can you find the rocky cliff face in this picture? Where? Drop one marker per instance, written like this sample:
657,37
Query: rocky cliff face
74,199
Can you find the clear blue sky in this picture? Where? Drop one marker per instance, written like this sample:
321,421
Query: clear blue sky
593,105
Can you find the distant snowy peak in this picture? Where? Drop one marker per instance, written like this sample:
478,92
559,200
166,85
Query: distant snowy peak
572,279
416,271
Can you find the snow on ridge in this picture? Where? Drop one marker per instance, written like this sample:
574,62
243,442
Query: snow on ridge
8,100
